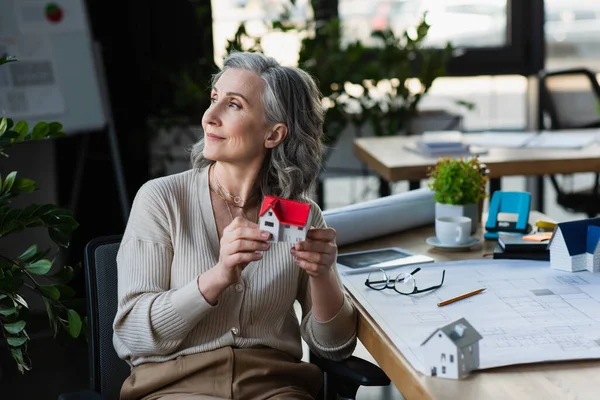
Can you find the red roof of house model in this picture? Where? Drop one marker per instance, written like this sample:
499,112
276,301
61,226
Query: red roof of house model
288,212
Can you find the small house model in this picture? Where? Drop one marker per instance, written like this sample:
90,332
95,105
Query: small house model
287,220
452,351
574,246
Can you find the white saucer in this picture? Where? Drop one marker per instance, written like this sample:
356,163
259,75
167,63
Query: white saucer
433,241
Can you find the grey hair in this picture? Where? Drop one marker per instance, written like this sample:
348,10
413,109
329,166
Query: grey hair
291,97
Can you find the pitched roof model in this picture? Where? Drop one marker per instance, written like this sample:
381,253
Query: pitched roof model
288,212
580,236
461,332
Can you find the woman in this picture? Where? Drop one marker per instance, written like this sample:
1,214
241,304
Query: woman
205,299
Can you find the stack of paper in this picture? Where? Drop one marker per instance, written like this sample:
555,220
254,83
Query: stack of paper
512,140
440,143
571,139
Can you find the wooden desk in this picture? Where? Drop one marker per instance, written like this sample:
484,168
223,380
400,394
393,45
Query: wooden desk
390,160
560,380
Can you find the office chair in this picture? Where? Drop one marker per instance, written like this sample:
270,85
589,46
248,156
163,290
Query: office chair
560,109
107,371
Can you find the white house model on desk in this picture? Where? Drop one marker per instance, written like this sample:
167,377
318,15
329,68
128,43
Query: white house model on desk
452,351
574,246
287,220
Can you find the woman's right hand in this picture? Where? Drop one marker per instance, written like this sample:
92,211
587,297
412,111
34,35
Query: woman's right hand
242,243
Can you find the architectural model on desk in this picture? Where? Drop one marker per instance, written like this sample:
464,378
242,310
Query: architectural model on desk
452,351
574,246
287,220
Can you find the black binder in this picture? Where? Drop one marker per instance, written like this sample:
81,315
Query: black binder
499,253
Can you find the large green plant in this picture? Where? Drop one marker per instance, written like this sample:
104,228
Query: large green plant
458,181
30,272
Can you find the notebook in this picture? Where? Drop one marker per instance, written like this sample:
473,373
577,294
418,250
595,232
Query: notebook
516,244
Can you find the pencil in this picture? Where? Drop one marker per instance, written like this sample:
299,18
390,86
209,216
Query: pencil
462,296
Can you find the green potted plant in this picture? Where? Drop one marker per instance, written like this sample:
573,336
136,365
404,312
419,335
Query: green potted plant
459,187
33,272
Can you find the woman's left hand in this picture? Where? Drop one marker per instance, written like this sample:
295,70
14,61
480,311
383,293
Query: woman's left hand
317,253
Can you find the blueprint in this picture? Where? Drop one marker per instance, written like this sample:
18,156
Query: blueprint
528,312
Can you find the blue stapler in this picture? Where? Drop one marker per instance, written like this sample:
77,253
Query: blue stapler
508,202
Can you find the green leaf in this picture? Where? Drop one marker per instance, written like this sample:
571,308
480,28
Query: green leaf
7,59
50,291
8,311
28,254
66,292
59,237
24,185
40,267
16,341
9,181
15,327
51,316
19,357
22,128
20,300
64,274
3,125
74,323
55,127
40,130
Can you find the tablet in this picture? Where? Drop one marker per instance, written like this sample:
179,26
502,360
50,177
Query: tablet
373,260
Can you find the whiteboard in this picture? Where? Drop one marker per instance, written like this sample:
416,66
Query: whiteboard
56,77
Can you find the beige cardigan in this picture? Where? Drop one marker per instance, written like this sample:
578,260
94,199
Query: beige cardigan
170,239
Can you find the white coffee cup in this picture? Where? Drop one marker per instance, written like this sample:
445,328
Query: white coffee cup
452,231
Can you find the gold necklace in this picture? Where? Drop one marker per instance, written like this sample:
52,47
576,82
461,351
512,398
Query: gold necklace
227,202
237,200
222,198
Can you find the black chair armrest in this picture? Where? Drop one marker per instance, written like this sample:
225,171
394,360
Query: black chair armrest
82,395
352,370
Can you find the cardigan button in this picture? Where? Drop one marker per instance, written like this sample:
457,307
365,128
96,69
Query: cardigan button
235,331
239,288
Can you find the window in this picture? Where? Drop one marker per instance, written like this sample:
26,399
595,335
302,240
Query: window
287,226
270,213
443,358
300,228
269,223
572,34
443,369
502,42
494,36
500,45
451,358
228,14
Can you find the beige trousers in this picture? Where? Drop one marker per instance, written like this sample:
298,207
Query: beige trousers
226,373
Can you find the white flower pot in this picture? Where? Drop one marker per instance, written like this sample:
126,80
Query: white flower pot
451,210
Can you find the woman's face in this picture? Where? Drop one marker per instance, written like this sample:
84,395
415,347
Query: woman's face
234,124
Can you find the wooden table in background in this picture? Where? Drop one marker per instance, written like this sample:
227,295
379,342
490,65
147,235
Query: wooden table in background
388,157
557,380
390,160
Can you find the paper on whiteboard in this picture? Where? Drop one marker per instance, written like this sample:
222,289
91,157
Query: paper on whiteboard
381,216
528,313
28,87
35,17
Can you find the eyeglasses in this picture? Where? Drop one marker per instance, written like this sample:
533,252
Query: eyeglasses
403,284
